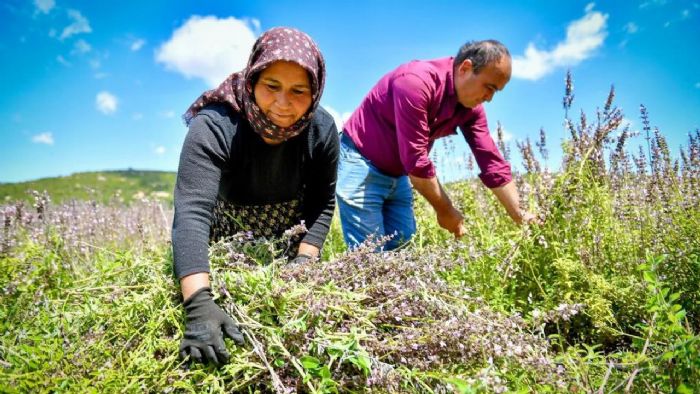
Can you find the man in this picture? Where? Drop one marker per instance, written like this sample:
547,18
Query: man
387,140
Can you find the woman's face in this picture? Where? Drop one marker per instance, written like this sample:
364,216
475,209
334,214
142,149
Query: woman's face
283,92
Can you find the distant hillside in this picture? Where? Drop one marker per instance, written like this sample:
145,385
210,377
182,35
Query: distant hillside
104,186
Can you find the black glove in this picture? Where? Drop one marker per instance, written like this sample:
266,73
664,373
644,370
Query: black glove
300,259
203,332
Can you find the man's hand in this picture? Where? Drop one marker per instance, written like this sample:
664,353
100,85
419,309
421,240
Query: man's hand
206,325
448,216
452,221
528,218
508,197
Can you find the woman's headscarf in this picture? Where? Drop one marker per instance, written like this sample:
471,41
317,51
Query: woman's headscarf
280,43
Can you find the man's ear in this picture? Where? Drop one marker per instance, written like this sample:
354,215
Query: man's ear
465,66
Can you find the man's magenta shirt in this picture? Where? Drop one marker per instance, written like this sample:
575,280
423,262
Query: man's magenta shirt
398,121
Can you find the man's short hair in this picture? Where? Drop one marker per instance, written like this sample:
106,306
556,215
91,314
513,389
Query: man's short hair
481,53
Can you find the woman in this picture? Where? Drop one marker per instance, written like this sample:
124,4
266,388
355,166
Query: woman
260,156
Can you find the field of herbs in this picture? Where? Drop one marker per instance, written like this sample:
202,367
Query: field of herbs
603,296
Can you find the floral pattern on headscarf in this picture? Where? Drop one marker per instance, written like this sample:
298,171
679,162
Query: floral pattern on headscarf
280,43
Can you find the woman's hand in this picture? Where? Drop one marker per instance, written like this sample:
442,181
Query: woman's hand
205,329
306,252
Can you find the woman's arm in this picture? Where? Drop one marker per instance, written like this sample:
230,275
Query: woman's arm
191,283
321,175
308,249
204,153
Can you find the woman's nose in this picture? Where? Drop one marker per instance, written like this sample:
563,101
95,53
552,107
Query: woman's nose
282,99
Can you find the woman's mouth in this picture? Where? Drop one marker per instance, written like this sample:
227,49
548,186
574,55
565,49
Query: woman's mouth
281,116
282,120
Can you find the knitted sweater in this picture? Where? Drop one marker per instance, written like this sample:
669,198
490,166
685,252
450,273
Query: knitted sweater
223,158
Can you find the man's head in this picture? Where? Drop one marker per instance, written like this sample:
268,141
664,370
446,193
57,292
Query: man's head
481,68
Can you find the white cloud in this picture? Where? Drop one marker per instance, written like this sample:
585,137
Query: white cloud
697,85
583,37
208,48
653,3
81,46
137,44
80,25
63,60
137,116
507,135
95,63
626,122
167,113
106,103
159,150
339,118
629,28
44,6
43,138
101,75
685,14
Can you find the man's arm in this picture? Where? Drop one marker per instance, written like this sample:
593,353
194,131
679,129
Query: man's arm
495,170
448,216
508,197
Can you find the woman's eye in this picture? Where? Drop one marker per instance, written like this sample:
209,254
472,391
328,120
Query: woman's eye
299,92
273,88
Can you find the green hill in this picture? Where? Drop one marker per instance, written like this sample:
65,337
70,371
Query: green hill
102,186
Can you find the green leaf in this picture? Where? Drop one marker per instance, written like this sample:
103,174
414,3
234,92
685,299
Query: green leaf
324,372
461,385
335,352
680,315
672,317
365,363
362,362
683,389
310,362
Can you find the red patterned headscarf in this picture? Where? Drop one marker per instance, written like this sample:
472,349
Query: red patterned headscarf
280,43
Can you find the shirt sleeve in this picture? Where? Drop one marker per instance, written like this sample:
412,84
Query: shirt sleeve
495,170
203,156
320,193
411,98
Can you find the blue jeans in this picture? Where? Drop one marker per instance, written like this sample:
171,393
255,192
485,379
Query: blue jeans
371,202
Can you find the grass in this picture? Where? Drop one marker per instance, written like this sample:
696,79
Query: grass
103,186
602,297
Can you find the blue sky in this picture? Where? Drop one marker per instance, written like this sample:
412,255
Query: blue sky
101,85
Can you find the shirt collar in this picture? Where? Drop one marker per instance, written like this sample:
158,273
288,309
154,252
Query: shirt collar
450,101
